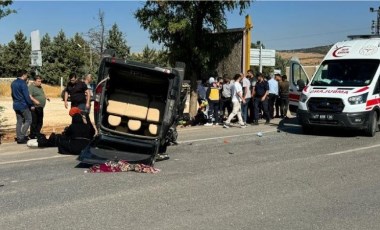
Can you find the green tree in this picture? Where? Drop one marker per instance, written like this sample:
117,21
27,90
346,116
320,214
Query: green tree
281,63
2,69
257,45
62,56
117,42
151,56
184,28
4,8
16,55
79,55
58,59
48,61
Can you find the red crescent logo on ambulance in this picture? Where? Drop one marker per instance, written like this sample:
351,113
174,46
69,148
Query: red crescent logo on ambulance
341,51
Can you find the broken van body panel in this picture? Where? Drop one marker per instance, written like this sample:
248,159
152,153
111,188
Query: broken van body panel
136,107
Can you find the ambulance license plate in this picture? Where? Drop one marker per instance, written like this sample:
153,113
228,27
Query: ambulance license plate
322,117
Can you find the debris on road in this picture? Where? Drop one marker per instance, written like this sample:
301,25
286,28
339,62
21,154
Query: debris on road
121,166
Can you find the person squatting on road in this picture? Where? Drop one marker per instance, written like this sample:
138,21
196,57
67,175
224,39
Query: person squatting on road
74,138
37,95
237,99
22,104
80,95
78,135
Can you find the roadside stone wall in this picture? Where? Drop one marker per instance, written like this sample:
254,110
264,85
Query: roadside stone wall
232,64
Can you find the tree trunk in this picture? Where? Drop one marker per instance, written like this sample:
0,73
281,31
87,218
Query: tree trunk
193,95
193,103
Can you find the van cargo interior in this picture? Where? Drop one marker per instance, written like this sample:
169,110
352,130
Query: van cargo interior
135,101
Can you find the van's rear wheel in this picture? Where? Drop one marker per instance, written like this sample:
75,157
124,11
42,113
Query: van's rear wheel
372,126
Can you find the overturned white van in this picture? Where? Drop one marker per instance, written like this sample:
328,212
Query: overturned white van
344,91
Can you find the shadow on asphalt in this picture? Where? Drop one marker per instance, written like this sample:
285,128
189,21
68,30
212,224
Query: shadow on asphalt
83,166
292,126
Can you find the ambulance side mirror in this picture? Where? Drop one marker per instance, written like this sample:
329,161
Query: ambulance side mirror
300,85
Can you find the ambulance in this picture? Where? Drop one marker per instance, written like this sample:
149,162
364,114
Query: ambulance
344,91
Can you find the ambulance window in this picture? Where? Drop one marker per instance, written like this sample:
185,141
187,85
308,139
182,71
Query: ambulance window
299,77
349,72
377,87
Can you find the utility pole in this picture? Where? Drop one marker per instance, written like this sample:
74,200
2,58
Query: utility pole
375,25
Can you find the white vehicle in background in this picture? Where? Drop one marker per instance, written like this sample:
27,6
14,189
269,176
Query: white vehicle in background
344,91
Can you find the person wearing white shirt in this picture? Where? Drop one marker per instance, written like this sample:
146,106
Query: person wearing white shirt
273,95
237,99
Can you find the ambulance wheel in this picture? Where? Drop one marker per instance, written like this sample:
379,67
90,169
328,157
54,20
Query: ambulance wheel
307,129
372,126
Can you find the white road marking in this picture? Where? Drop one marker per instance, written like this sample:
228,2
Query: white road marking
34,159
353,150
215,138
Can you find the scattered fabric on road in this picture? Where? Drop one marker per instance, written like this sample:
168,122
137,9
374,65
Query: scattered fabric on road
121,166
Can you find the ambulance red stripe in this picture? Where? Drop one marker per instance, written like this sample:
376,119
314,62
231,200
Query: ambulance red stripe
362,89
372,102
294,97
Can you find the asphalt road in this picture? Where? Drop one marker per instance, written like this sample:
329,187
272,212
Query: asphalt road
216,179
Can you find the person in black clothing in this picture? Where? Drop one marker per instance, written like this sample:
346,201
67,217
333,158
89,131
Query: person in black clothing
77,136
284,96
74,138
260,94
79,93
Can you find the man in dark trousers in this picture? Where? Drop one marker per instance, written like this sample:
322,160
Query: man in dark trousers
213,98
80,95
22,104
284,96
260,94
38,97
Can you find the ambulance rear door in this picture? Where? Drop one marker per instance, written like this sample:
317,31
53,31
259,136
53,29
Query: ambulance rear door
298,80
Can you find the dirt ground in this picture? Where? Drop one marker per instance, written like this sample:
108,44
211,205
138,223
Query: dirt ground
56,117
306,59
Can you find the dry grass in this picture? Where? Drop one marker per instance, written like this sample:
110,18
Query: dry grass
306,59
50,91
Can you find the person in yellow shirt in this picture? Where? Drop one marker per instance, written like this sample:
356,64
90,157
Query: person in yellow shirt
213,98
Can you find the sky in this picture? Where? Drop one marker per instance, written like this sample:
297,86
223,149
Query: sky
279,25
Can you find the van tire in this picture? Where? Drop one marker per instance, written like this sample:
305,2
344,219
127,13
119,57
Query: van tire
372,125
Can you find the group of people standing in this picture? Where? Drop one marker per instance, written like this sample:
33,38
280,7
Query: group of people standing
248,97
29,102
